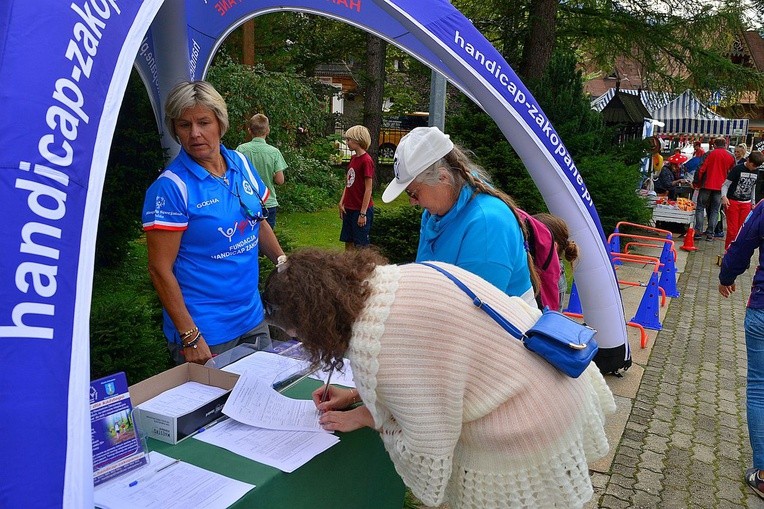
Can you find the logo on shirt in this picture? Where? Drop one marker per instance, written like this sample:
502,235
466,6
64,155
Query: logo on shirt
351,177
240,226
207,203
160,202
247,188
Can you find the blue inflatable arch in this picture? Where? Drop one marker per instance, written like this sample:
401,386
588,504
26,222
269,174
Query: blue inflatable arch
64,68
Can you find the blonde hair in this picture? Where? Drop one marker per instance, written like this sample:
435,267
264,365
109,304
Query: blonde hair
360,135
258,125
188,94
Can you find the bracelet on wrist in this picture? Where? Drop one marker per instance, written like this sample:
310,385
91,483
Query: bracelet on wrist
188,333
193,343
362,214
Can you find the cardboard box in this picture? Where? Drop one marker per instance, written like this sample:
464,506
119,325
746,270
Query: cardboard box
174,429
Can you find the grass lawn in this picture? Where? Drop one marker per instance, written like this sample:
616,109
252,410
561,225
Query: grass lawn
322,228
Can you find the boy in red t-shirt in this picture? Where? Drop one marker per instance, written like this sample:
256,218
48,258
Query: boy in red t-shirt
356,205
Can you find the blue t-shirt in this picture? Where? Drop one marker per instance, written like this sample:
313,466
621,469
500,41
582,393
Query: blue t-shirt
217,264
479,234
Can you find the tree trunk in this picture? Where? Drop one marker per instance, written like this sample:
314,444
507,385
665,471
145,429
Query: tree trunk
374,87
539,45
248,43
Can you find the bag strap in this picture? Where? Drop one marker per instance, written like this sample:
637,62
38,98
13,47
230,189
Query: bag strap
498,318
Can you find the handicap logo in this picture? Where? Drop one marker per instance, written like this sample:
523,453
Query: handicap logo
93,395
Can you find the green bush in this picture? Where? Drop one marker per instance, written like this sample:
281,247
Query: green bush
135,160
395,233
612,186
126,322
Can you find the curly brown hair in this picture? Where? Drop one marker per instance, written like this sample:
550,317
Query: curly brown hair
319,295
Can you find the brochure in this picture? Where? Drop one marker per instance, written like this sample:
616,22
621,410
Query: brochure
117,447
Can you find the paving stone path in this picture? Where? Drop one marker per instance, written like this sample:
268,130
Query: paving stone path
685,442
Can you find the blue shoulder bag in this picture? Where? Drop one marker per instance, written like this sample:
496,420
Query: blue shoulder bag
564,343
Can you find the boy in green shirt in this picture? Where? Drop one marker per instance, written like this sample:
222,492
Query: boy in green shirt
266,159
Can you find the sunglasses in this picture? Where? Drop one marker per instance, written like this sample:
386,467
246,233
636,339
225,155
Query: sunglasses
248,212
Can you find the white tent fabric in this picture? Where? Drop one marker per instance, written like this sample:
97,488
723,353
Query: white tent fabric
682,115
651,100
687,115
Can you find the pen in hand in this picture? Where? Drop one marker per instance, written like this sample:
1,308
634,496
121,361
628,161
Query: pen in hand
326,387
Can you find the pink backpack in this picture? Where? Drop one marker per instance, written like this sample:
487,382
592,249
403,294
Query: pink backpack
543,250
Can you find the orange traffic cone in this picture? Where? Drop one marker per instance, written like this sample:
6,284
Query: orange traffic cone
689,240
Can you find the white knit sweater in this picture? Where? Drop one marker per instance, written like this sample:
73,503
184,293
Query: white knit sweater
467,414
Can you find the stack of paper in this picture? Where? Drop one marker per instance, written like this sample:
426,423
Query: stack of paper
183,399
157,486
272,368
271,429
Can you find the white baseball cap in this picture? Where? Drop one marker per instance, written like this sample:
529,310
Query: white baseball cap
416,151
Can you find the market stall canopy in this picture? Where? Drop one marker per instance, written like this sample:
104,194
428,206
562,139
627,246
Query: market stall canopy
687,115
651,100
625,108
682,115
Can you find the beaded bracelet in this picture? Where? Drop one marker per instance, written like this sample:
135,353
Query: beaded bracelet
193,342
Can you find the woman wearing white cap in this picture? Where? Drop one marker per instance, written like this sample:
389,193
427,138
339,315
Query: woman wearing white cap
467,222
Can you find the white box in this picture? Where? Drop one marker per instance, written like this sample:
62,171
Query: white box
672,215
173,429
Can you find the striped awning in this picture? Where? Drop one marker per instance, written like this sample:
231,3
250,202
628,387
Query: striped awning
651,100
682,115
687,115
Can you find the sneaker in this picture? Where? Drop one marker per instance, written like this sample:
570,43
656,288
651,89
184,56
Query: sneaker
719,235
709,238
697,236
753,480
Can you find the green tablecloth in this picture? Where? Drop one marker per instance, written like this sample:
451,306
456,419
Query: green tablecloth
355,474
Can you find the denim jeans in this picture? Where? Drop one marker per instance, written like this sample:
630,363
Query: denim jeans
708,205
754,342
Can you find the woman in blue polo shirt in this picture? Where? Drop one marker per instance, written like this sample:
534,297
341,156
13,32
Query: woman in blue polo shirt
204,222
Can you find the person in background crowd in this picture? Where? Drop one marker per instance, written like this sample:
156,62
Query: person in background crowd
475,420
710,177
267,160
668,180
737,193
566,247
356,206
467,222
736,261
741,150
205,225
698,149
677,158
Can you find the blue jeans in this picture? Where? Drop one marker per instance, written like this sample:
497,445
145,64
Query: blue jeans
272,217
754,343
708,205
259,336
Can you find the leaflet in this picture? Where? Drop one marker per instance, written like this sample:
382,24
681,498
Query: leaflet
285,450
161,485
253,401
